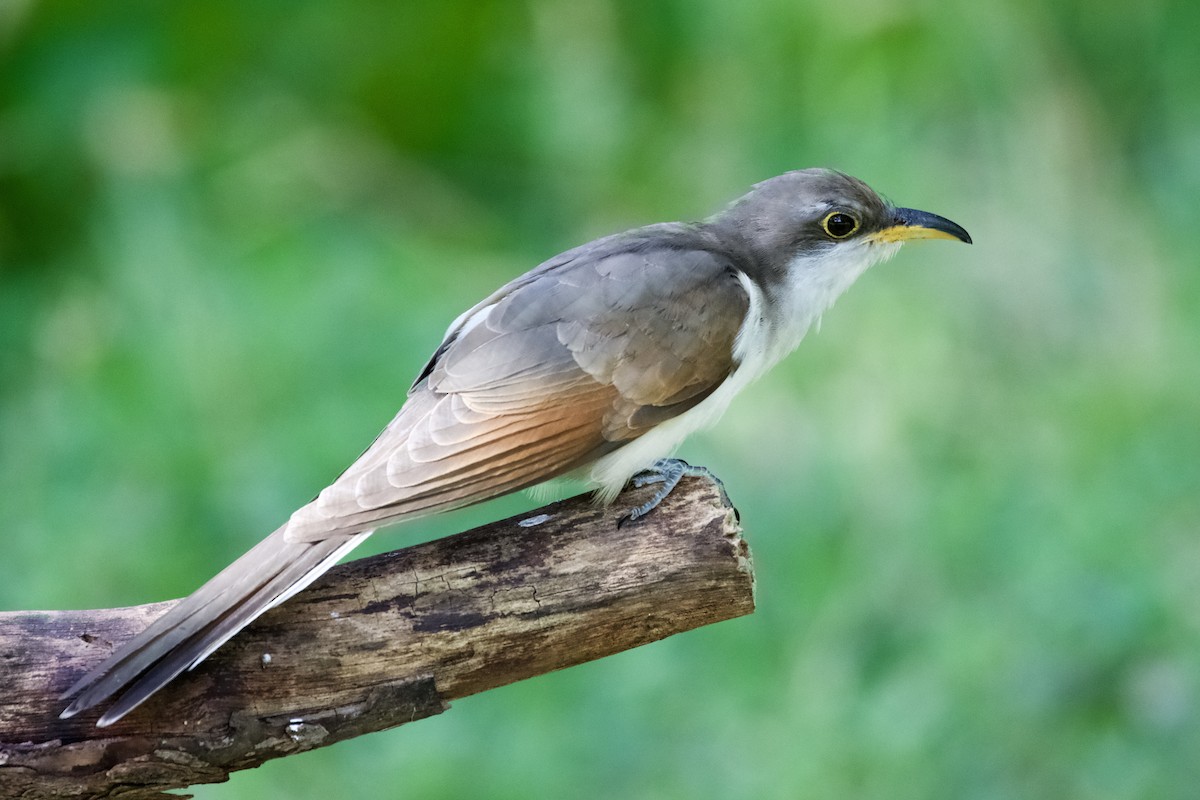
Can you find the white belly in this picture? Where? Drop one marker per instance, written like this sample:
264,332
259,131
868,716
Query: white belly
767,335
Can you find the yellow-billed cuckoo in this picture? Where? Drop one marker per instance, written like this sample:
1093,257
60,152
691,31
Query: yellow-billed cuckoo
598,362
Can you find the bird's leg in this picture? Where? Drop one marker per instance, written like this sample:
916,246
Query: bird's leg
668,472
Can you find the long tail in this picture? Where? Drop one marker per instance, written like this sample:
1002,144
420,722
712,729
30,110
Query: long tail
274,570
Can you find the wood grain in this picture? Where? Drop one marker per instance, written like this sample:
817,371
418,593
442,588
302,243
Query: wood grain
374,644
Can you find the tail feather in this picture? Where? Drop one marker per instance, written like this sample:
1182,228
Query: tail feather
271,572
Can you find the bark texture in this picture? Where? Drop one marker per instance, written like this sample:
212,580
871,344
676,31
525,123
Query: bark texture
373,644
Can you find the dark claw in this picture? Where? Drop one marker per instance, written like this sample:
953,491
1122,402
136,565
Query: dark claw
668,472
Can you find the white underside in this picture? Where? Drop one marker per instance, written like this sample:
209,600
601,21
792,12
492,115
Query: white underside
774,327
320,569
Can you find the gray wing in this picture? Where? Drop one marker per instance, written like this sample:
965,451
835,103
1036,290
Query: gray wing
554,370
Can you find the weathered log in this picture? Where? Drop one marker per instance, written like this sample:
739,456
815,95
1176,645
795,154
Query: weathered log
375,643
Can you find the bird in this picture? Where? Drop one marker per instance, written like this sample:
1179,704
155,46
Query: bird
597,363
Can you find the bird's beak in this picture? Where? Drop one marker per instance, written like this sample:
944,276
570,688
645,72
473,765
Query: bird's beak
908,223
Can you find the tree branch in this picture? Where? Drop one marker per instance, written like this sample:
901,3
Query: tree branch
374,644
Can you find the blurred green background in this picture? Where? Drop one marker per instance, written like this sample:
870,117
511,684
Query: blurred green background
232,232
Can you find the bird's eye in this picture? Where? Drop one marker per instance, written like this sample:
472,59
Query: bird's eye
839,224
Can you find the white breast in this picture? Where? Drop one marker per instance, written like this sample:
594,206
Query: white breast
774,326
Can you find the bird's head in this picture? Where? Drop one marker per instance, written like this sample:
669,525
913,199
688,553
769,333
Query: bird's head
826,225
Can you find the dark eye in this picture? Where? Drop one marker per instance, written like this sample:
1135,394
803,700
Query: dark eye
839,224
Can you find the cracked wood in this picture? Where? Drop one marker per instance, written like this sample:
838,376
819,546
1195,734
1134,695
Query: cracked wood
373,644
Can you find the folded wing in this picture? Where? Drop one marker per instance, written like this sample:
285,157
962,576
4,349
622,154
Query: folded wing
556,369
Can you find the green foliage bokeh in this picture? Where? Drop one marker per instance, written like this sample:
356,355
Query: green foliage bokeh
231,233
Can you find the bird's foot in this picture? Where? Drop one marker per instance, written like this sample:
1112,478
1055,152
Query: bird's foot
668,472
